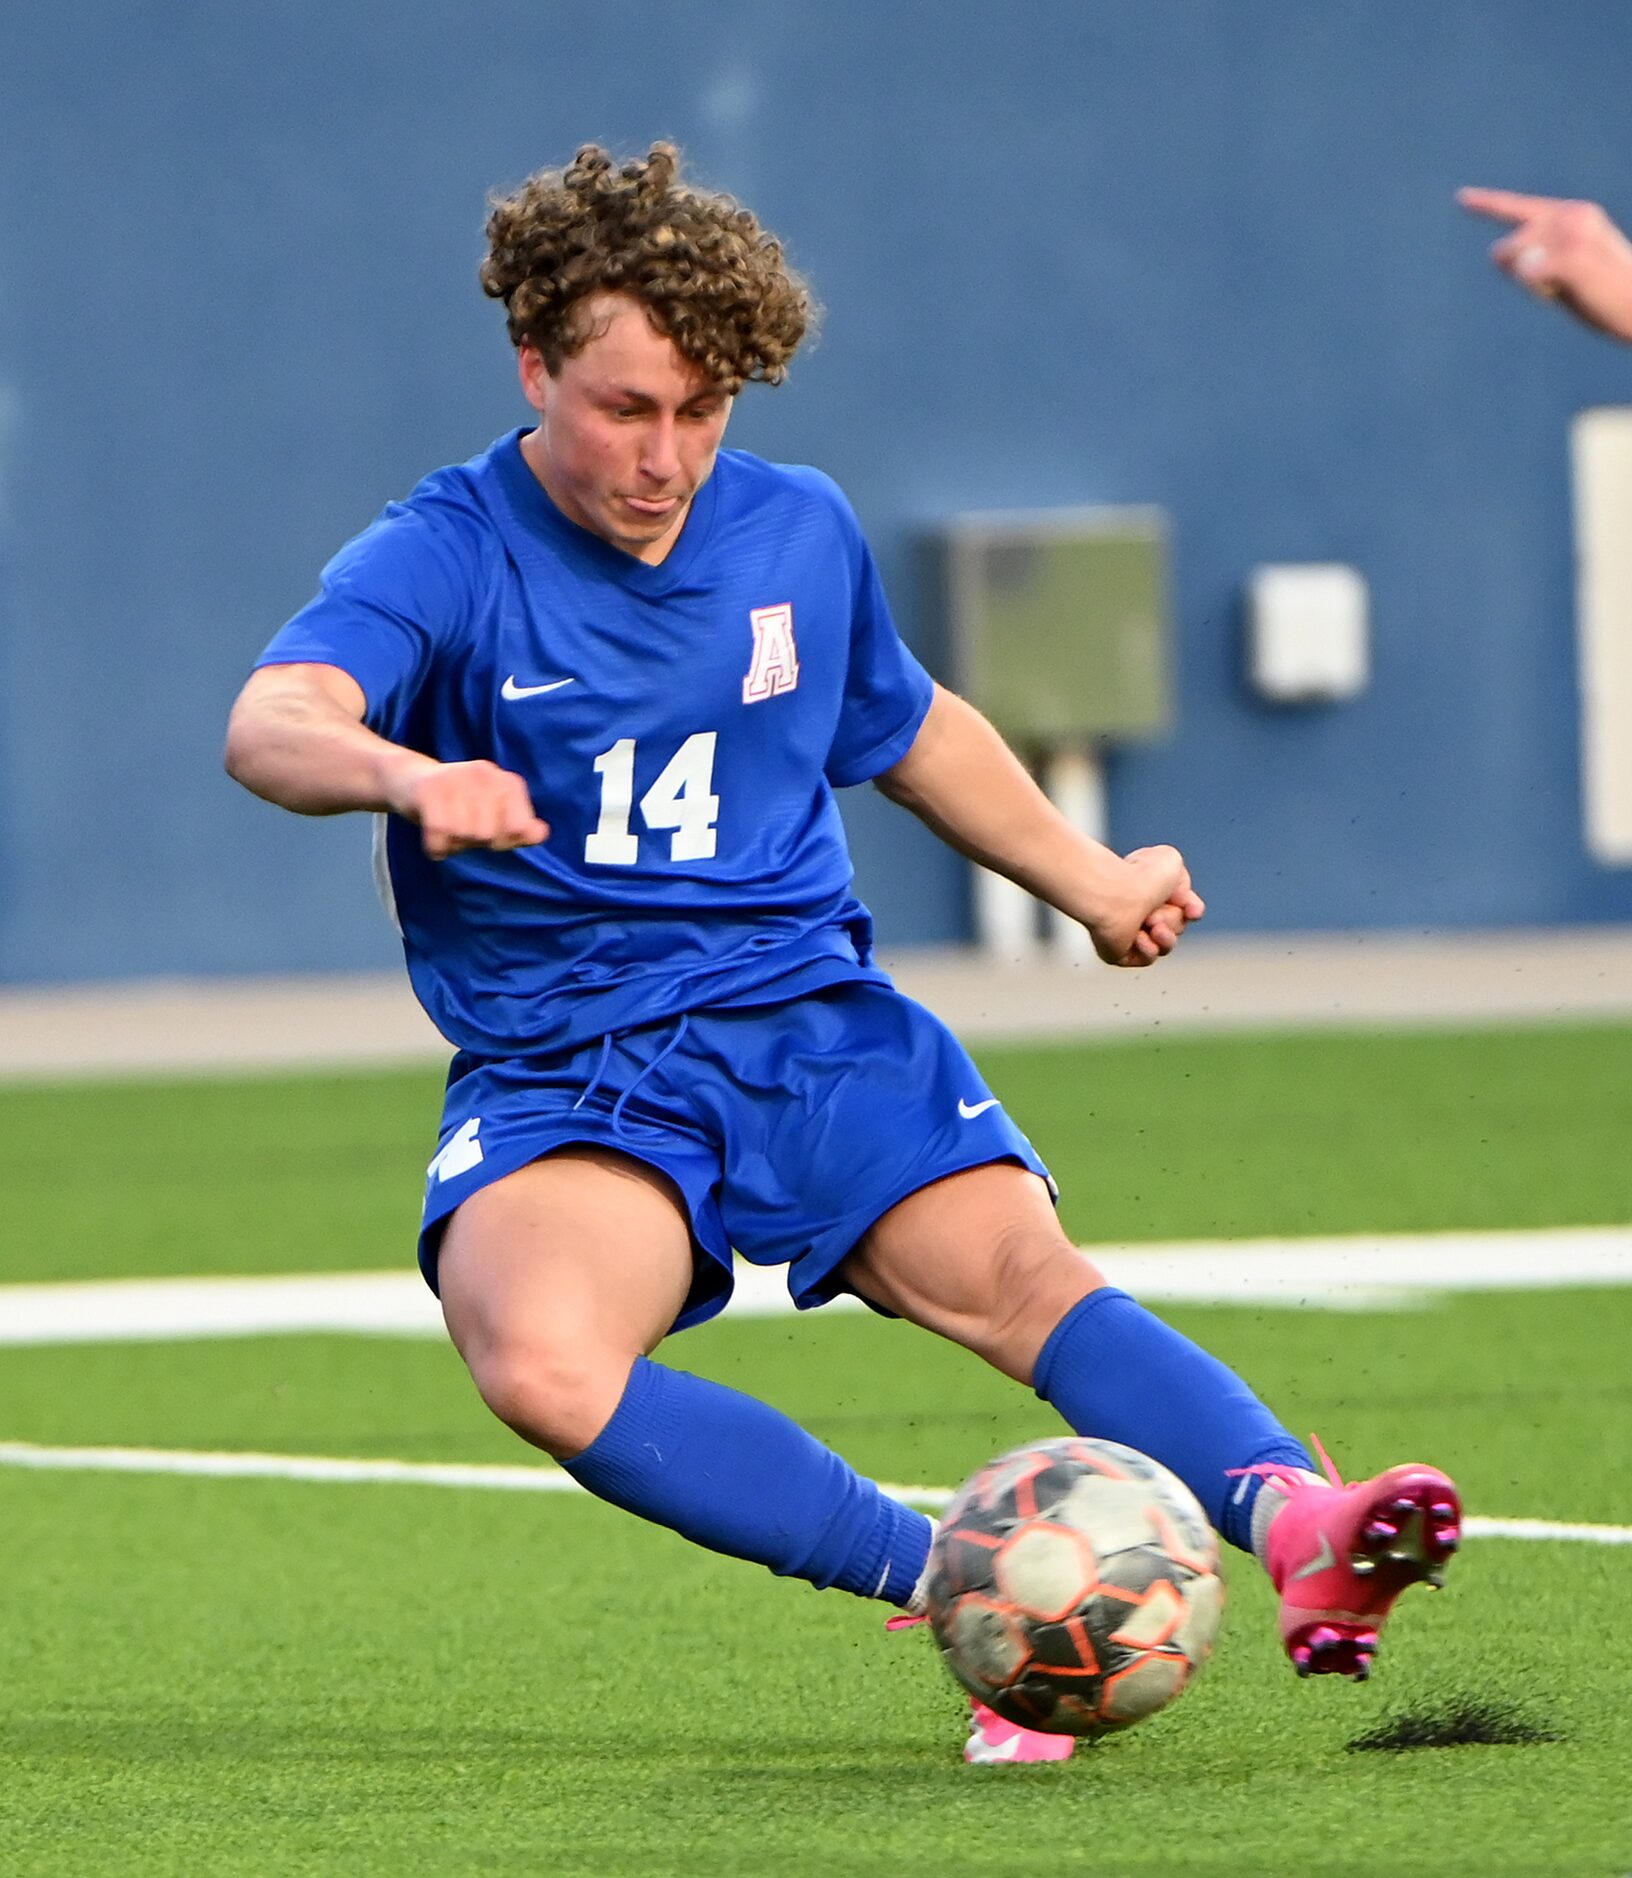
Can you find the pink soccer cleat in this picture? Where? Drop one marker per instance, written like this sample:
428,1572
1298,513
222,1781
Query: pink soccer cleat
1340,1555
993,1741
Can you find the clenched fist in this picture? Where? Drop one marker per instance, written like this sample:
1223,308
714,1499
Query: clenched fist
1154,903
469,805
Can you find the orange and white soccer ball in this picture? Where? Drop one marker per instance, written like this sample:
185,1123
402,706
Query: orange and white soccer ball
1073,1586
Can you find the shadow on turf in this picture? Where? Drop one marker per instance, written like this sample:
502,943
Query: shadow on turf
1462,1723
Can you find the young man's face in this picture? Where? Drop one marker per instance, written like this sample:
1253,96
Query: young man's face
627,429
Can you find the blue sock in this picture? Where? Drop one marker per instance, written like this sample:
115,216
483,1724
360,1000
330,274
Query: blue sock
1113,1370
728,1472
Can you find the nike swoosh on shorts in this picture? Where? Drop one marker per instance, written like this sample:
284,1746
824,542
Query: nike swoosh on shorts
969,1110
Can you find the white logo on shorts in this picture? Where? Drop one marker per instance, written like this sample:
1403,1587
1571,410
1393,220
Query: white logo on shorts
459,1154
969,1110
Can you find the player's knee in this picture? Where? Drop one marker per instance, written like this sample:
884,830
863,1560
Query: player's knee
554,1393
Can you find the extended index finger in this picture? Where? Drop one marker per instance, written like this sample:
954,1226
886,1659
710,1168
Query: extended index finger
1505,204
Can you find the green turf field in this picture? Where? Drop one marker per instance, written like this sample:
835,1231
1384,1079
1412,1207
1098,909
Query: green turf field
231,1676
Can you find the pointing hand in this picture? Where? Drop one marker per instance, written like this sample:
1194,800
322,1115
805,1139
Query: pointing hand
1565,251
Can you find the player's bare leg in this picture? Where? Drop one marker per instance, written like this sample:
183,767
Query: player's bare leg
553,1281
556,1282
979,1257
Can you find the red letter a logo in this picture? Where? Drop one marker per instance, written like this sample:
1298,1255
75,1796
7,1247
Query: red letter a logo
775,664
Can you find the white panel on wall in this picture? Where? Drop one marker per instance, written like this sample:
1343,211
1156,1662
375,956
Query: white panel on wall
1601,450
1308,639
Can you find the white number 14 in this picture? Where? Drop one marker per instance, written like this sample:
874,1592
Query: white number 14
682,799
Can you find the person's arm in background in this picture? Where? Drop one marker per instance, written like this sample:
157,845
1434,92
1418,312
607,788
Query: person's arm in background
1566,251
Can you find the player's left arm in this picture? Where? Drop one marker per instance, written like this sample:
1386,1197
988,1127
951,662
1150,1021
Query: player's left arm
963,781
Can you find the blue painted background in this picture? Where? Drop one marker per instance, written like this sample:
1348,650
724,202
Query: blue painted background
1199,252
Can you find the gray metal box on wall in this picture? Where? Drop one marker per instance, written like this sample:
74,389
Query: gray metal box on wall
1059,622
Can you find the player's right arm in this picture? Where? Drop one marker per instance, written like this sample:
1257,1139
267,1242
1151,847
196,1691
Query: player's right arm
296,737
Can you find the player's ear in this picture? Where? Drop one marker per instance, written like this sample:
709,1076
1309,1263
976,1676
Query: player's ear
534,375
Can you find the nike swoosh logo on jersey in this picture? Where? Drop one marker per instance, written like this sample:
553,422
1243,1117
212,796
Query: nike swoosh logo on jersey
1323,1560
510,689
969,1110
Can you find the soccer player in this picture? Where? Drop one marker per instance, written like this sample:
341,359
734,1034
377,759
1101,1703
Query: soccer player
602,683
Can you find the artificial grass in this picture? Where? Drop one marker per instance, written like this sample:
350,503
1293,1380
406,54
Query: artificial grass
1525,1396
1193,1138
262,1677
266,1677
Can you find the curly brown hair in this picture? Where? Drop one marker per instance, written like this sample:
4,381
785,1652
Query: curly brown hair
708,275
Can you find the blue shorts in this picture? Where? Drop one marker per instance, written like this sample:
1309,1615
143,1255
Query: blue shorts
787,1128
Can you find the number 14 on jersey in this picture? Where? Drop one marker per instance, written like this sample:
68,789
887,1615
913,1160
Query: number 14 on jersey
681,801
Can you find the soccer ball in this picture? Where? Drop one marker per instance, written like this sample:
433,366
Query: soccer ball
1073,1586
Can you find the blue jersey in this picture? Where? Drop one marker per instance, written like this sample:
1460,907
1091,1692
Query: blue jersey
681,728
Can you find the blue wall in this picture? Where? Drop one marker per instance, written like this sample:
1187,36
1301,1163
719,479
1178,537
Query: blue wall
1197,252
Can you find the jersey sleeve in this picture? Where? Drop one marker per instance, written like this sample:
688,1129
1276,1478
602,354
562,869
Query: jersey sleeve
886,692
386,603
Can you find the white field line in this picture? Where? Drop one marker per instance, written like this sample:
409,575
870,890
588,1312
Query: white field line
1355,1272
543,1479
329,1471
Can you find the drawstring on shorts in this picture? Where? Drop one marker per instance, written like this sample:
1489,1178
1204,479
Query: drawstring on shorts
673,1042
